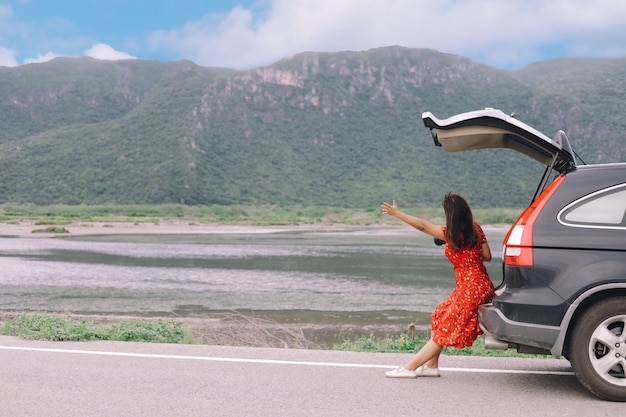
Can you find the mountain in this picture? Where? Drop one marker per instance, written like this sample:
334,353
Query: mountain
335,129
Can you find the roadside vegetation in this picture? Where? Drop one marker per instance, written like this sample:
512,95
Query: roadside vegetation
236,330
412,344
41,326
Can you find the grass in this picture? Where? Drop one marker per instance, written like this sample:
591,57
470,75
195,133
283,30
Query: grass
41,326
408,344
262,215
51,230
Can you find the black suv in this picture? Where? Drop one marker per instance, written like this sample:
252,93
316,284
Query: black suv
564,260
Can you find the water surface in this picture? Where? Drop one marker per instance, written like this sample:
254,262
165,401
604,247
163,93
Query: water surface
350,271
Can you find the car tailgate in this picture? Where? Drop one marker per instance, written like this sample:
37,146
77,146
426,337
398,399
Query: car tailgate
492,128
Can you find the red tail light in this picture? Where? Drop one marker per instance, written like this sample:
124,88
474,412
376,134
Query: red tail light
518,243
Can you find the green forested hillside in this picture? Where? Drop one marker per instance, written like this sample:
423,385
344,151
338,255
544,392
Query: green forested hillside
337,129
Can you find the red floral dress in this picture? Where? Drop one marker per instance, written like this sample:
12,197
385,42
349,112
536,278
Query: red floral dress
455,321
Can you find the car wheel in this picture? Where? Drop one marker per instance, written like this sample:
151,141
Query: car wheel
598,349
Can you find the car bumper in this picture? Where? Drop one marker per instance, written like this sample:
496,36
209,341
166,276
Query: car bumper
495,324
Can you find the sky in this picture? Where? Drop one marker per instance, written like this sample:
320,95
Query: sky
244,34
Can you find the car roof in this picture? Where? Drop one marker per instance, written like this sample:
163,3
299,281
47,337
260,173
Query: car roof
492,128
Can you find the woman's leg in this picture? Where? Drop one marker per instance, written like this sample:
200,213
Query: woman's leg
428,354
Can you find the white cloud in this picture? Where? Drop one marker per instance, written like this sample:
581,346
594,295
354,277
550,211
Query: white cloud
505,34
501,33
106,53
7,57
41,58
98,51
213,40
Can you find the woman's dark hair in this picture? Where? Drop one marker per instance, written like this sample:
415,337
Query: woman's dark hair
460,230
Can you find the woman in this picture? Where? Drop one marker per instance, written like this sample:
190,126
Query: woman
455,321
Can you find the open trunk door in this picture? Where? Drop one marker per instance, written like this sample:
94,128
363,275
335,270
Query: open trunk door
491,128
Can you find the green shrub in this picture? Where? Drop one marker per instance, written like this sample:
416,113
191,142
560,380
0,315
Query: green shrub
45,327
51,230
409,344
40,326
148,331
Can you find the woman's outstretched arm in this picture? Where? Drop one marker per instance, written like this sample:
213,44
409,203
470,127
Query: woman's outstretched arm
420,224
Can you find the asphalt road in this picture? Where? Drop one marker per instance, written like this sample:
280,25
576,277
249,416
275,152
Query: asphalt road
133,379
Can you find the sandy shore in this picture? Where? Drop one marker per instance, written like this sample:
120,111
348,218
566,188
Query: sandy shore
29,229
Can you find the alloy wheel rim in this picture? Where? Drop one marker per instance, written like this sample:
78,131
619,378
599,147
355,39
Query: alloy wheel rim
607,350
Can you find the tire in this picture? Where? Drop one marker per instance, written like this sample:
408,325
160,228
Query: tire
598,349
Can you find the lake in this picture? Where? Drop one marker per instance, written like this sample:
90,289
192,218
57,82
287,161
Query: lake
359,274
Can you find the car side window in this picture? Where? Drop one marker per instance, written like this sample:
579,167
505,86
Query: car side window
602,209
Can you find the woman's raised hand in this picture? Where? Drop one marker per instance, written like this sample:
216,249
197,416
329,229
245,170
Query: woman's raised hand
390,209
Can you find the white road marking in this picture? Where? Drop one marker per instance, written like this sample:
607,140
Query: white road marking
270,361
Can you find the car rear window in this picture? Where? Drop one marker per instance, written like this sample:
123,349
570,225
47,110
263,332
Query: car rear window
603,209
